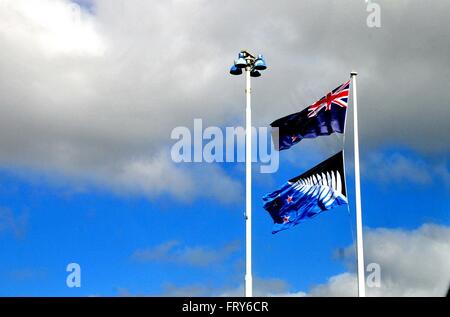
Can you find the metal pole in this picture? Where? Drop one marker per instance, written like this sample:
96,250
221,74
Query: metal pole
248,189
359,232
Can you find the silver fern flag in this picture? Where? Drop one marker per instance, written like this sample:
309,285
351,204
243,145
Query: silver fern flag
319,189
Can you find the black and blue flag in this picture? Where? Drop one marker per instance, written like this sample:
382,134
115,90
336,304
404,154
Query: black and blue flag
324,117
319,189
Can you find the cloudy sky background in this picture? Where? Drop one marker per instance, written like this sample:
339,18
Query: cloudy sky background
89,95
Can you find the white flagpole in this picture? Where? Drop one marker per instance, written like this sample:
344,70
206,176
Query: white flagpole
248,189
359,232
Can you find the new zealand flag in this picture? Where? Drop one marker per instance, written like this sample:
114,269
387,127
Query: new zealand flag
319,189
324,117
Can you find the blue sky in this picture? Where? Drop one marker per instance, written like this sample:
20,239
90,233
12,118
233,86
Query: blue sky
101,232
86,174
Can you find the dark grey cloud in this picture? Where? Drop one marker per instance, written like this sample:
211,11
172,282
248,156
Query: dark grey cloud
95,97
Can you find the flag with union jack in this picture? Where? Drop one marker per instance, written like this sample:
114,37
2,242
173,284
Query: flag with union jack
324,117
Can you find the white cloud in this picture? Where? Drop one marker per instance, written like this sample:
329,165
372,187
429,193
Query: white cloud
397,168
413,263
261,287
192,290
443,172
159,175
53,27
13,223
28,274
147,176
174,252
342,285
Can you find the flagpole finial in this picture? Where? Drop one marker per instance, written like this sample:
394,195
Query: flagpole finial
353,73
